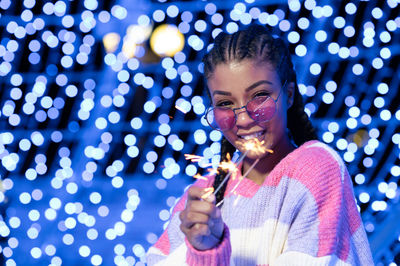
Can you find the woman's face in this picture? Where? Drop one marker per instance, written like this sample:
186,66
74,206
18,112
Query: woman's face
234,85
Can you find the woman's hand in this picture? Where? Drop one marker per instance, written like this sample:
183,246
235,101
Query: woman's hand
201,220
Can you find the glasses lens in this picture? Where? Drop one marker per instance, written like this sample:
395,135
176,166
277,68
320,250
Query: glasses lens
261,108
221,118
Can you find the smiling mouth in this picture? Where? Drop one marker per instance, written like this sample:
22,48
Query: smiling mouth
252,136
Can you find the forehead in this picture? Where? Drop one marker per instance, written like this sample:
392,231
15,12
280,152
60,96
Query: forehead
236,76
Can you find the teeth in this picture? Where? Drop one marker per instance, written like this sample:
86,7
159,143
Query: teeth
252,136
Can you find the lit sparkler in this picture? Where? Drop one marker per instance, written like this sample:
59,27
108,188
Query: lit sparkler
196,158
233,190
255,146
228,165
198,176
208,191
230,172
193,158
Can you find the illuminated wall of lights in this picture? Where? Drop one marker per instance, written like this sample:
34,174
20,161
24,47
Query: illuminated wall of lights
100,100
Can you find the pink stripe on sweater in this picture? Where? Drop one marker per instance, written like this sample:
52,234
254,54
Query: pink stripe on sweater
323,185
163,243
352,211
247,188
220,255
321,174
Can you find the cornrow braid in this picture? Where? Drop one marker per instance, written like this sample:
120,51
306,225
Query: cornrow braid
298,122
257,43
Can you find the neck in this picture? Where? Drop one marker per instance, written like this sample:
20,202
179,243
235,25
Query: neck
268,162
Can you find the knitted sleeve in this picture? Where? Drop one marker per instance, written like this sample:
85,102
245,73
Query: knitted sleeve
325,227
172,248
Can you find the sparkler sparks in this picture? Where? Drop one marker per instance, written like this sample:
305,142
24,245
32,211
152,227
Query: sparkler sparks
254,145
228,165
208,191
230,172
193,158
198,176
233,190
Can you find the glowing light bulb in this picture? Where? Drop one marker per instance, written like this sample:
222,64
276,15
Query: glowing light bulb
167,40
111,41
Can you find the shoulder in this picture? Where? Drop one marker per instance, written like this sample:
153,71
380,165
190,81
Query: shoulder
315,163
317,157
314,148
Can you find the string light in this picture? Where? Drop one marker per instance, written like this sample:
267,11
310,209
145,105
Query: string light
94,119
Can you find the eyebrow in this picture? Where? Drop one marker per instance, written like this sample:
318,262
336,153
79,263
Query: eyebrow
252,86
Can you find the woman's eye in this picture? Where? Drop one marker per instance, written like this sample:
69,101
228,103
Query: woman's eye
223,103
261,94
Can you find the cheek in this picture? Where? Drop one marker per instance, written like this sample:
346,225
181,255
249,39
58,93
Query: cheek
230,136
274,128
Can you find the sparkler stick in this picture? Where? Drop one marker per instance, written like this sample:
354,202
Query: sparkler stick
254,145
219,203
243,177
230,172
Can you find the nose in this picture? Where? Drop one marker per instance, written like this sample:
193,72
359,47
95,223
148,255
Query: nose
243,119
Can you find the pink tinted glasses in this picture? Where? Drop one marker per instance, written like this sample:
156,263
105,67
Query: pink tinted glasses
260,109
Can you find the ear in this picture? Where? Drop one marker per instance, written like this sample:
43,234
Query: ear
290,94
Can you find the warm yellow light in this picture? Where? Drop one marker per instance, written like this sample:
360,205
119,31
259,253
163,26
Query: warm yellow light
138,33
129,49
360,138
167,40
111,41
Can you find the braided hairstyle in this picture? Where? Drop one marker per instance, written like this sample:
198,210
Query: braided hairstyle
256,42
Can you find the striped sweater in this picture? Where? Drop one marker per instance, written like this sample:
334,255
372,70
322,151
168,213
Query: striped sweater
303,214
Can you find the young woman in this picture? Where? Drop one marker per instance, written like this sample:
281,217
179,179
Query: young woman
296,206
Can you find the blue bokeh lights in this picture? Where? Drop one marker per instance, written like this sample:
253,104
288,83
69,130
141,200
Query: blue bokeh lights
94,129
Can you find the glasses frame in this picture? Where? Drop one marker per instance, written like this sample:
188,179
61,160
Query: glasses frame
211,108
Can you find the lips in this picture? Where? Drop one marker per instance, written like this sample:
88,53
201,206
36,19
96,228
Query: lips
252,136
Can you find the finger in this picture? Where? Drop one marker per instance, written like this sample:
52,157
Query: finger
200,206
182,215
195,193
199,230
193,218
184,229
196,231
211,199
